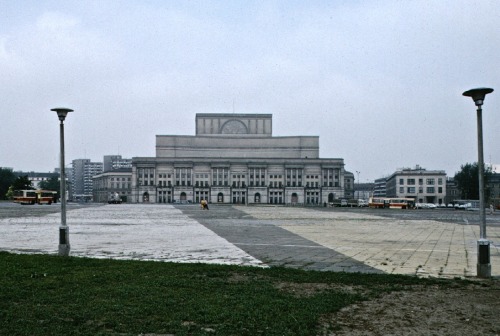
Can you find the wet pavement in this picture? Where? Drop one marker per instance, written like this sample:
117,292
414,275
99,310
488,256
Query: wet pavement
438,243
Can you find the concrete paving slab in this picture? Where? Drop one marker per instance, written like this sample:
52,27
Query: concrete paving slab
433,248
151,232
307,238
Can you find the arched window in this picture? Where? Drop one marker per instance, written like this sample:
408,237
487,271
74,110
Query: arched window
295,198
145,197
256,198
220,198
183,196
331,197
234,127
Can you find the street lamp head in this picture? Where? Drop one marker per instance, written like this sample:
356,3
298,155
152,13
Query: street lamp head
478,94
62,112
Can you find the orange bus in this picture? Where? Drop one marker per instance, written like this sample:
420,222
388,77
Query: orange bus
401,203
391,203
378,202
46,196
25,196
35,196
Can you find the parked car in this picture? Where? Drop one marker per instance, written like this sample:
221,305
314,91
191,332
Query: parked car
362,203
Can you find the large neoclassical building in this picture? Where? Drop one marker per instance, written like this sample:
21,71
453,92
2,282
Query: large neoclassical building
234,158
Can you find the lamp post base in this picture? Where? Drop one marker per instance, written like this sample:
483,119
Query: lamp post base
64,246
484,271
483,259
64,250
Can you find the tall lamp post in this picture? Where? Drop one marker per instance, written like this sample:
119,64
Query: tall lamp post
64,246
483,245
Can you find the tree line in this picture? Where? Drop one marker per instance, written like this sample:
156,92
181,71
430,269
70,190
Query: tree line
9,183
467,180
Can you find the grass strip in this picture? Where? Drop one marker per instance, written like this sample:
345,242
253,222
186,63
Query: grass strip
50,295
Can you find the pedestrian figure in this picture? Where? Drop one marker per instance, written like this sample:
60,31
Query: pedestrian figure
491,209
204,204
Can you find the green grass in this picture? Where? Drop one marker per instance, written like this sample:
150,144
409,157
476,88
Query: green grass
50,295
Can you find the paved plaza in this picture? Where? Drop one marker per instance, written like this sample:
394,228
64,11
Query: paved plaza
443,244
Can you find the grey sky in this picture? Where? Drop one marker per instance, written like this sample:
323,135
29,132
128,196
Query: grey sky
380,82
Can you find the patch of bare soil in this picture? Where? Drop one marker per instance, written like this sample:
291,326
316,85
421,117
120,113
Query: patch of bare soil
470,310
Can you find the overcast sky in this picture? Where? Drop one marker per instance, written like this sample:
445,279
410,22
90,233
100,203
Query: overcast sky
380,82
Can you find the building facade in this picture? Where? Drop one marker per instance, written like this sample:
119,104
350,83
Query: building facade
452,191
114,162
425,186
363,191
82,178
234,158
380,187
112,182
348,185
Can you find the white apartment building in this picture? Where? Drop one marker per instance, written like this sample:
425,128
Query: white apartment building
114,162
425,186
81,178
234,158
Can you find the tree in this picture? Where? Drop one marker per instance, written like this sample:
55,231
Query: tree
22,183
467,180
51,184
7,177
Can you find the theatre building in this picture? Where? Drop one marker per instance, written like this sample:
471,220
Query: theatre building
234,158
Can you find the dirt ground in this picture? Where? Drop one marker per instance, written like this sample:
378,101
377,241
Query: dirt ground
470,310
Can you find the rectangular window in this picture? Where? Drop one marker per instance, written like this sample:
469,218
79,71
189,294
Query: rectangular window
440,190
411,190
411,181
430,190
430,181
401,181
401,190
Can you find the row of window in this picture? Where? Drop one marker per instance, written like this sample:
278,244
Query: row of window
121,179
223,174
223,180
272,184
428,181
413,190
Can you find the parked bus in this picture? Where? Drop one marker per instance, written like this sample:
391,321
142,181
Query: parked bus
35,196
46,196
25,196
401,203
378,202
391,203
